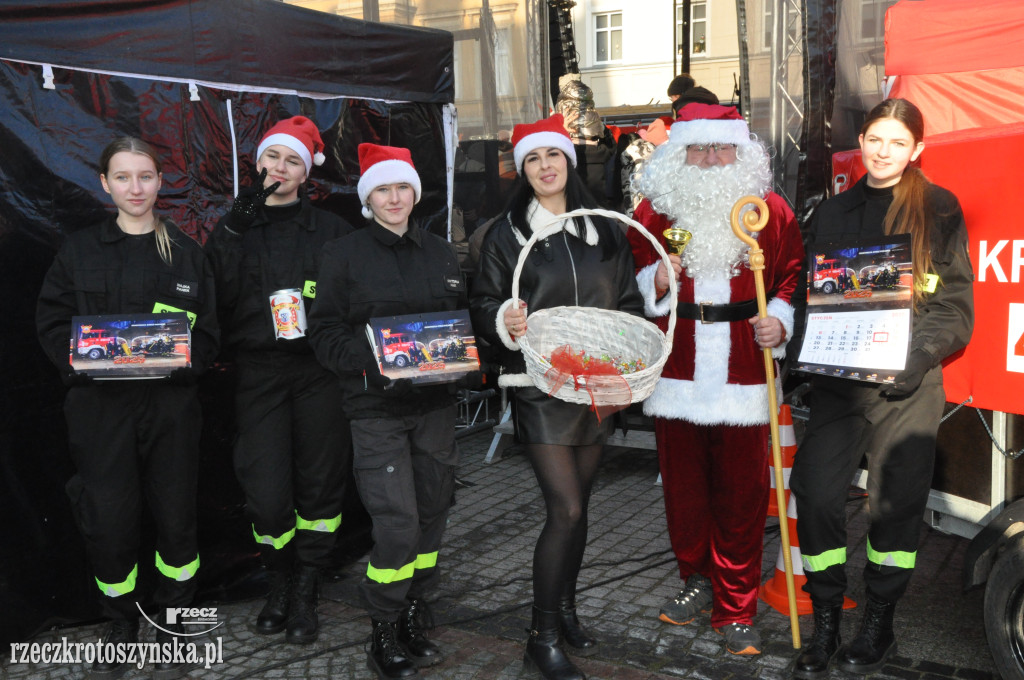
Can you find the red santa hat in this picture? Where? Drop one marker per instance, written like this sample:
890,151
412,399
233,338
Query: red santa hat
699,123
298,134
379,165
547,132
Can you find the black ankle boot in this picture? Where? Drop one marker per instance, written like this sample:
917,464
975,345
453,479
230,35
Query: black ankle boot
875,641
814,659
572,632
410,633
166,634
386,657
303,625
120,631
272,618
543,653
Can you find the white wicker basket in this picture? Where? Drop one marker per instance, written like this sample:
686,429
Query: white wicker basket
595,331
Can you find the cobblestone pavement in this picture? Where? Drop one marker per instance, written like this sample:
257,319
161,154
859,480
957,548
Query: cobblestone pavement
482,606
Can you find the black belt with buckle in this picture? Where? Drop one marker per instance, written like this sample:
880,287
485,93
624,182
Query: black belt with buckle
705,312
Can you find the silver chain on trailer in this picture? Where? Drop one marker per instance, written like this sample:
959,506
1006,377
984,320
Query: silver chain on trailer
1012,455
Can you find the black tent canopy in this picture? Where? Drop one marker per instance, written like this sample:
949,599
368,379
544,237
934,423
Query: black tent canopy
201,81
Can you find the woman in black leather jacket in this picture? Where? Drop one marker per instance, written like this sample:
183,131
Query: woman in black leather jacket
589,264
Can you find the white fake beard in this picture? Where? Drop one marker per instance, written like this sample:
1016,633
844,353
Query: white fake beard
701,201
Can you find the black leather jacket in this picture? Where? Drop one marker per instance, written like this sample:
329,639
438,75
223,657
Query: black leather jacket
548,280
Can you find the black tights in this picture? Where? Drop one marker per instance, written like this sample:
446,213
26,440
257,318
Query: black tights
566,475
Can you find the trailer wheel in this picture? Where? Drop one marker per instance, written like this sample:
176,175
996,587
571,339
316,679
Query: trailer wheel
1004,611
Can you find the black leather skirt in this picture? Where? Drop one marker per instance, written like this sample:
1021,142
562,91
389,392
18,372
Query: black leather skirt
541,419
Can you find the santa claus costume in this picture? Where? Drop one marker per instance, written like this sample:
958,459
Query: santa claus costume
711,403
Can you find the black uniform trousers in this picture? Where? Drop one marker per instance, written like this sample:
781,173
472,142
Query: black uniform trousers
849,419
291,455
405,473
130,438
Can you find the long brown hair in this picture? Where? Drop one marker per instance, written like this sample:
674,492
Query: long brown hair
909,212
136,145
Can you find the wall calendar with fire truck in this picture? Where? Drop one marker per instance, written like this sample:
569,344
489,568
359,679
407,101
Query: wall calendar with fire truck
859,299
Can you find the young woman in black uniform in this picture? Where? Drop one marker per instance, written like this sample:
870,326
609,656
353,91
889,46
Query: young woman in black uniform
895,424
132,438
293,446
588,265
403,437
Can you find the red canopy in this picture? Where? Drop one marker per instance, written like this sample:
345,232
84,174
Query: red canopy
961,61
962,64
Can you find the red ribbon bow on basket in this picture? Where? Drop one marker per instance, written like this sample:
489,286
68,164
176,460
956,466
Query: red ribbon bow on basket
608,390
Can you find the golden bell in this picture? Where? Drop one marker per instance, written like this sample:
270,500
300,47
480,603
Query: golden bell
677,239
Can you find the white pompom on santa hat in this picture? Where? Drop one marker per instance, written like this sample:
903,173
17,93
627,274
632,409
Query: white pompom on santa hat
698,123
299,134
545,133
380,165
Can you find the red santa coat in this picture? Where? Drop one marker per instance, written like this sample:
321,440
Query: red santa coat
715,374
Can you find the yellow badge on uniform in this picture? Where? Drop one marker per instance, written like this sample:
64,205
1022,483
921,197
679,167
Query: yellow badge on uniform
309,289
931,282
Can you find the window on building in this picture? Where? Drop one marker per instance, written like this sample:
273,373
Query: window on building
502,63
792,21
698,29
608,37
872,18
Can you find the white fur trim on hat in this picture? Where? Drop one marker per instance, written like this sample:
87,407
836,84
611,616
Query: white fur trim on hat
279,138
540,140
392,171
704,131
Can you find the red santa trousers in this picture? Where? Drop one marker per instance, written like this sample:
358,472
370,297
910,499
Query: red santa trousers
716,485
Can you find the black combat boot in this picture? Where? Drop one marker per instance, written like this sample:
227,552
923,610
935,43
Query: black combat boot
543,653
875,641
303,625
412,624
167,635
386,657
575,636
815,658
120,631
272,618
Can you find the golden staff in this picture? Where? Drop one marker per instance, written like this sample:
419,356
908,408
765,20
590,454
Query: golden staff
755,222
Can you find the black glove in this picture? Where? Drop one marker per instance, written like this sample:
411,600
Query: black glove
248,203
398,388
72,378
183,376
473,380
909,379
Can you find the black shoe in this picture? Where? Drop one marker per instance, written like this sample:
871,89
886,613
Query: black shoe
815,658
166,634
272,618
303,625
121,631
875,641
572,632
412,623
386,657
543,653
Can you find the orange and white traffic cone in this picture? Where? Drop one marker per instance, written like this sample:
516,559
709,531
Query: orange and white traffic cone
787,446
773,591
